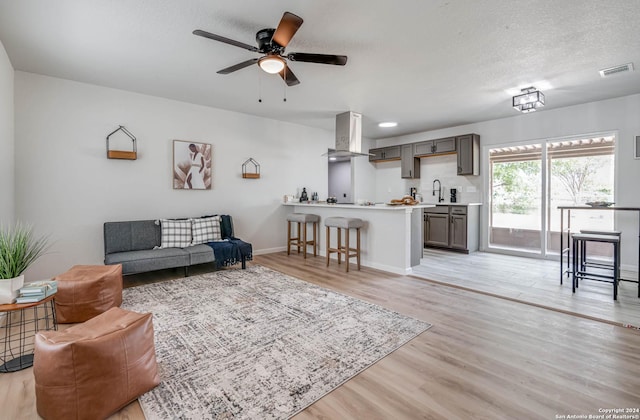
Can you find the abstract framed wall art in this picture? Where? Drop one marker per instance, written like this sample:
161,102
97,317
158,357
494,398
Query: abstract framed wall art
192,163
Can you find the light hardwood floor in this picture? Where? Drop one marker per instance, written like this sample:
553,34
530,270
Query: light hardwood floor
484,357
533,281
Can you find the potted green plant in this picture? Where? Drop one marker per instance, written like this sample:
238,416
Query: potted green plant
19,248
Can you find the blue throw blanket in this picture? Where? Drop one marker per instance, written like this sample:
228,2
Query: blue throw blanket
231,251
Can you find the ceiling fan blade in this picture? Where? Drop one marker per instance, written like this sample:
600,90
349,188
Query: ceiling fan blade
225,40
336,60
289,78
238,66
287,28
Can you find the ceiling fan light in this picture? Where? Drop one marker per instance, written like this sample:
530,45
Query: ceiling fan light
271,64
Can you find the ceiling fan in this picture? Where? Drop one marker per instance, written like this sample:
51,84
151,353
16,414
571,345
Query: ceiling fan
272,42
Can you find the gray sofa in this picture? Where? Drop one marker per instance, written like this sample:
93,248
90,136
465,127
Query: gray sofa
132,244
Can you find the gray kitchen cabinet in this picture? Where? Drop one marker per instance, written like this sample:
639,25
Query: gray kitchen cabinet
375,154
423,148
447,145
452,227
436,229
410,165
384,153
468,148
458,232
435,147
436,226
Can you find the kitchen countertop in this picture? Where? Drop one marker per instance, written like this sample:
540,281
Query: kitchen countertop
392,237
444,203
359,207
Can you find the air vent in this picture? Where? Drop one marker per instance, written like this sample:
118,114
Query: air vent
616,70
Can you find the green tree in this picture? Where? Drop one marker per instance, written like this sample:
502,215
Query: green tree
575,174
515,185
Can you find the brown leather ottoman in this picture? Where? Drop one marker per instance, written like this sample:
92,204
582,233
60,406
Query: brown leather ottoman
86,291
91,370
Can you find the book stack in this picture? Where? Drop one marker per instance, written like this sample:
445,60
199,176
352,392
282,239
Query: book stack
35,292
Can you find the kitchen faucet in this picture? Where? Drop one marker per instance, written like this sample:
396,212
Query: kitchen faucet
440,197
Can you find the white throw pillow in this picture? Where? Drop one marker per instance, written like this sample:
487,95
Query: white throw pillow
206,229
175,233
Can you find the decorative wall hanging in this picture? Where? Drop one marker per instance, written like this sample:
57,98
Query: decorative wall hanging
122,154
251,169
192,165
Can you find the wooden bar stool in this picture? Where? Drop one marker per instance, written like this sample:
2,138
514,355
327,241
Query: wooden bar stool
582,271
345,223
300,241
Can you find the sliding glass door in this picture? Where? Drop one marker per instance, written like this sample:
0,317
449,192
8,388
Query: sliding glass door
516,198
581,171
529,181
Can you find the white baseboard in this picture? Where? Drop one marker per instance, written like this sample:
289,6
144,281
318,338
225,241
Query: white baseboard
269,250
387,268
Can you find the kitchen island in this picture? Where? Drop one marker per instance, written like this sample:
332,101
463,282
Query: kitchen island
392,236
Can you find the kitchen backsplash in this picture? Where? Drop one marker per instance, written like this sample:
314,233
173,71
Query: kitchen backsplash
444,168
390,185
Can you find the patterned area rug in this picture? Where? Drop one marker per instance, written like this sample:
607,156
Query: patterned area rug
256,343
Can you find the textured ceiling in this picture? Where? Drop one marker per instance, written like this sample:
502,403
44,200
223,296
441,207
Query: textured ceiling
426,64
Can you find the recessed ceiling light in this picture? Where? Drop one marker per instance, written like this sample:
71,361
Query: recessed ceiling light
333,158
388,124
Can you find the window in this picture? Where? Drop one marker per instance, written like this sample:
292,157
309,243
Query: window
529,181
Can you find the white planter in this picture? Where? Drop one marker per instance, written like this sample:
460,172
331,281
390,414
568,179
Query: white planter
9,289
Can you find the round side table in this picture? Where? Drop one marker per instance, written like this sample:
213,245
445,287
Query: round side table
19,323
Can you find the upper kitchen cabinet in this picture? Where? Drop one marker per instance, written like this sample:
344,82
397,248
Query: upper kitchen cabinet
468,149
435,147
410,164
384,153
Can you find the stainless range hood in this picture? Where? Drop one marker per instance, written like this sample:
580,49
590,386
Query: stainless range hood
348,136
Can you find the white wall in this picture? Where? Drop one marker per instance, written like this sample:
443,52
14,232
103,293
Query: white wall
363,174
7,197
621,115
340,181
67,187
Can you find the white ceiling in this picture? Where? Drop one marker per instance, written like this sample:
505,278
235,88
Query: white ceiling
426,64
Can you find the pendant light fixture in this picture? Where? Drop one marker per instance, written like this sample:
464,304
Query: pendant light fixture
530,99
